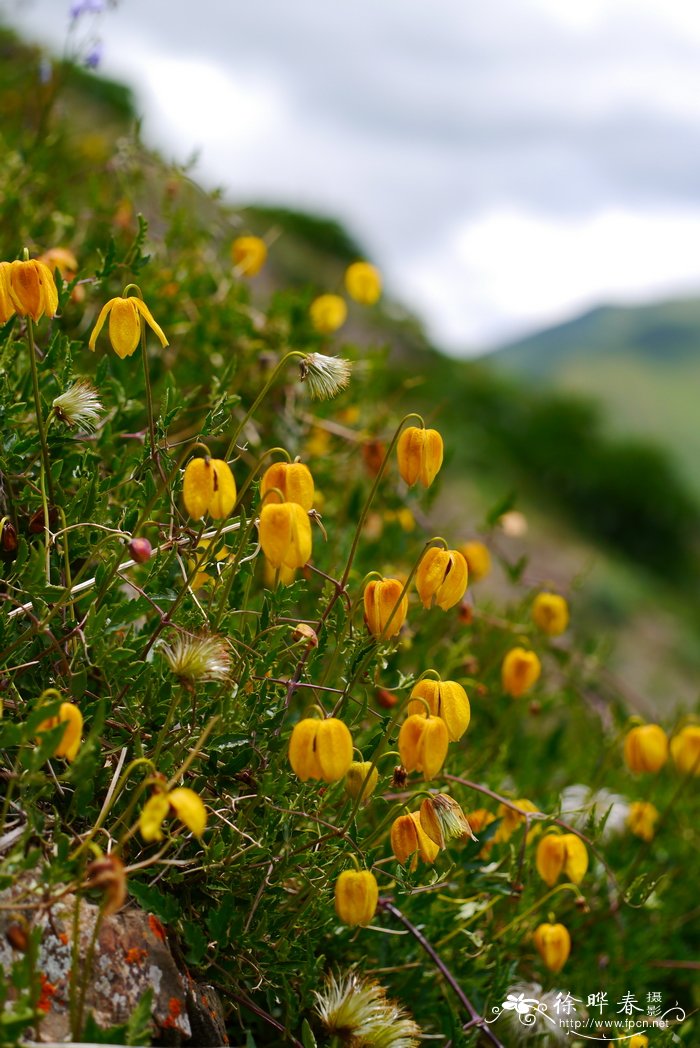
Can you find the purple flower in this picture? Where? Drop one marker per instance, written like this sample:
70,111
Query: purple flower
86,7
92,58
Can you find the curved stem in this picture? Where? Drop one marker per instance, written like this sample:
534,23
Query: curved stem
259,399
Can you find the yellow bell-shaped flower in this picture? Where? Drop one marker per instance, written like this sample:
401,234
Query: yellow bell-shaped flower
409,838
320,749
328,313
446,699
646,748
478,559
441,578
561,853
249,254
356,897
685,750
208,487
423,743
385,613
363,282
70,716
520,671
550,613
285,535
642,819
420,453
32,289
293,479
125,324
442,819
357,781
553,943
189,809
7,306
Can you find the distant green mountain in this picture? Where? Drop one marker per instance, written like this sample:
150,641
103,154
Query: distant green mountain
641,362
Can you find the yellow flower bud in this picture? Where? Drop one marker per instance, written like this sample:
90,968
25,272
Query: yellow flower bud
685,749
409,838
208,487
328,313
423,743
520,671
70,716
561,853
249,254
447,700
385,614
419,452
550,613
355,780
478,559
189,808
7,308
553,943
638,1040
32,289
441,578
293,479
363,283
320,749
285,535
642,819
356,897
125,324
646,748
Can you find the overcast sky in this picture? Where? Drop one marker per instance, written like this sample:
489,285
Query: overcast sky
506,164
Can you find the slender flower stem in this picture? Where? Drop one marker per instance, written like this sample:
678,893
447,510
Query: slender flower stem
259,399
45,471
475,1018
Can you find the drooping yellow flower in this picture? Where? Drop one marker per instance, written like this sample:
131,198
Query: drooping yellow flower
184,803
441,578
419,452
32,289
520,671
125,324
646,748
320,749
553,943
559,853
685,749
7,306
363,282
409,838
423,743
355,783
638,1040
642,819
446,699
249,254
189,809
293,479
285,535
550,613
478,559
70,716
356,897
208,487
385,613
328,313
